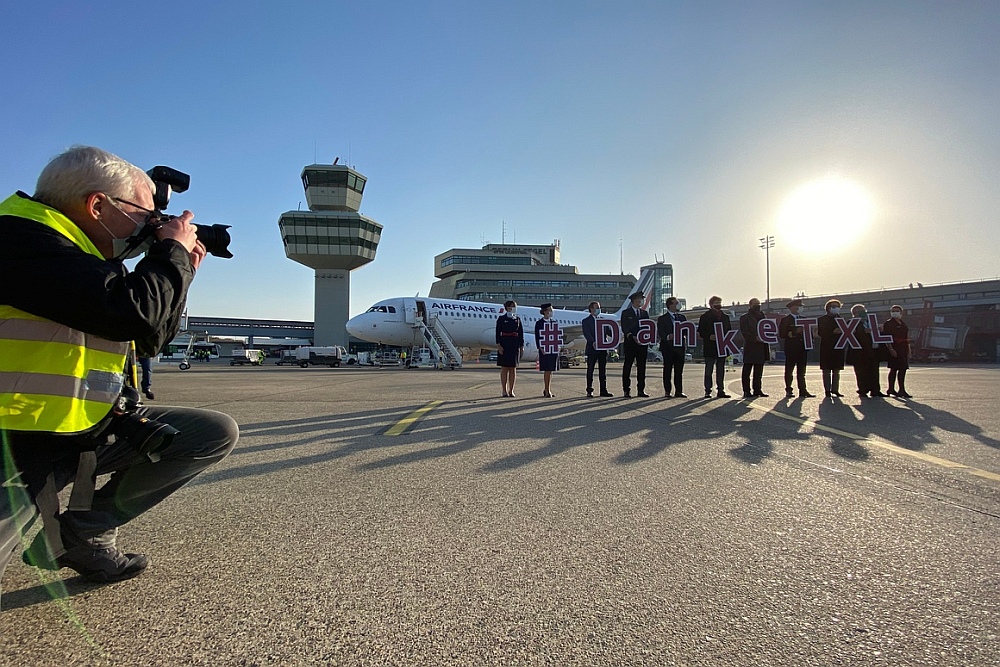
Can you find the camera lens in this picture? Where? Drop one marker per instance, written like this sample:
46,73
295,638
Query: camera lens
215,238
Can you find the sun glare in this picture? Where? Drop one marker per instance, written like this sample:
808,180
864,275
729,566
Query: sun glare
825,215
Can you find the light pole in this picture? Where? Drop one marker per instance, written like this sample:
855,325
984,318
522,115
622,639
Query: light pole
766,243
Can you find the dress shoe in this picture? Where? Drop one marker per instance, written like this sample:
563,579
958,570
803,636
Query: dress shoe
511,395
666,396
723,394
877,394
643,394
708,393
590,393
837,394
626,395
789,393
747,395
149,395
97,565
761,394
891,392
606,394
680,395
806,394
903,394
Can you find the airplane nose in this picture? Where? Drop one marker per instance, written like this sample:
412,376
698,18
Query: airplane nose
353,326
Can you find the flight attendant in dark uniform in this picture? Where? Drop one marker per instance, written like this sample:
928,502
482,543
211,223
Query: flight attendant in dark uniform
899,351
831,360
864,359
547,363
510,344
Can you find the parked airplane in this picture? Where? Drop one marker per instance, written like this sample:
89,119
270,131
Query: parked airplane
469,324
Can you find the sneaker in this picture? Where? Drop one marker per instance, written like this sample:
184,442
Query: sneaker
97,565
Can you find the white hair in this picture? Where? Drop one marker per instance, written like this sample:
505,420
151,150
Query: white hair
83,170
857,308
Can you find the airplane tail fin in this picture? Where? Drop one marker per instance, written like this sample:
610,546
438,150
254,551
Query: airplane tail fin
644,285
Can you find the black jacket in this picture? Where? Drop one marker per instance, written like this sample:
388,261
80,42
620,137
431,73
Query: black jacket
44,273
629,322
706,329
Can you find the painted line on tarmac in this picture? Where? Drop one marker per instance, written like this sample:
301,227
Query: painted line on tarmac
480,385
882,444
409,420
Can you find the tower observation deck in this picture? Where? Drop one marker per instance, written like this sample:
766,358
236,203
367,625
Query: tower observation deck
332,238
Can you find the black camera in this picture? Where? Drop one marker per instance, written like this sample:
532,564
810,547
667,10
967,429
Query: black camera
129,423
215,238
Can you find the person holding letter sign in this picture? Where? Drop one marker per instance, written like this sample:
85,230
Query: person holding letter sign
794,331
831,358
716,333
595,356
755,350
637,331
673,348
548,339
899,351
866,367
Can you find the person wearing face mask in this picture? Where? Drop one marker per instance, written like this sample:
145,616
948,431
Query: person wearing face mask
755,351
831,360
595,357
796,354
714,360
673,355
547,363
864,359
510,345
899,351
73,319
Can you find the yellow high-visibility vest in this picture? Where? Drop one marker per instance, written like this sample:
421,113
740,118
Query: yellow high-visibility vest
52,377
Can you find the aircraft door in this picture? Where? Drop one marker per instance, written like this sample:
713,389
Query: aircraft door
421,311
409,311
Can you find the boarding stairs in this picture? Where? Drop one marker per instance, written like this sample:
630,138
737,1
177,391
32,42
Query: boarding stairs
439,340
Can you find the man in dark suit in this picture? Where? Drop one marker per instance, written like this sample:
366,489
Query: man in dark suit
755,351
634,352
673,351
595,356
796,354
713,360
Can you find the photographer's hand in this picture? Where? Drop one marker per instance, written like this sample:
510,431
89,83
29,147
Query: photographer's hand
181,230
198,254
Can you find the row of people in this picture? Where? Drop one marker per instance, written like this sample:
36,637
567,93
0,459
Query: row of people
792,331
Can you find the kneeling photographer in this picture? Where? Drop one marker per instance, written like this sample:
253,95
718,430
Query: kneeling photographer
72,319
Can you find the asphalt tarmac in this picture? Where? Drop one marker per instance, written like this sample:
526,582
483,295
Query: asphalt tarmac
414,517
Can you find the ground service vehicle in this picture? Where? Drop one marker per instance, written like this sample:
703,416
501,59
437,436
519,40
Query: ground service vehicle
331,356
247,356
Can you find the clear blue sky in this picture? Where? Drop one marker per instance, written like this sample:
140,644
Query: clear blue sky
680,127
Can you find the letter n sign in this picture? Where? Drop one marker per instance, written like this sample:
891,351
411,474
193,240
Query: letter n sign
647,332
609,335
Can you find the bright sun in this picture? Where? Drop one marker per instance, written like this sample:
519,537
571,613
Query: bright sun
825,215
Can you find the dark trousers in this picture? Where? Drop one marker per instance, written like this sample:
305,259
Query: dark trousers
758,372
600,359
634,353
719,364
147,373
798,365
866,373
673,362
136,484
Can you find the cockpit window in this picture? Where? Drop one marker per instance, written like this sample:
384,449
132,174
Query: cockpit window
382,309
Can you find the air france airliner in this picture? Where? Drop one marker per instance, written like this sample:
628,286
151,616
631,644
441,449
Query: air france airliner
471,324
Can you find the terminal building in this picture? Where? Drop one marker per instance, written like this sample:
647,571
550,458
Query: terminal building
332,238
528,274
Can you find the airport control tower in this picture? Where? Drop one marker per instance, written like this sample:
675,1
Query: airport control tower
333,238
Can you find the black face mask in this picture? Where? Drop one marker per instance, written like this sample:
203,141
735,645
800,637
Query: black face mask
717,307
754,309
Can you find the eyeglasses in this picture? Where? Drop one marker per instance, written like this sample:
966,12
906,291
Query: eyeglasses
151,215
